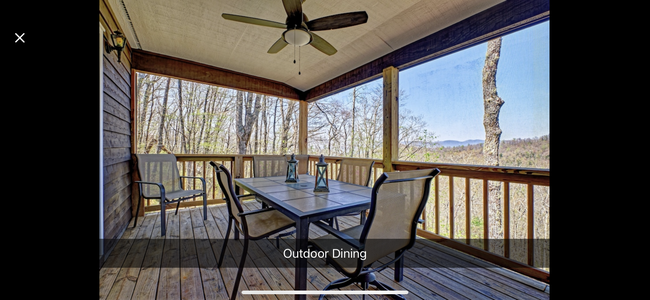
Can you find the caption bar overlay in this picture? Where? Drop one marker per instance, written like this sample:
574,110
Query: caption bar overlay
286,292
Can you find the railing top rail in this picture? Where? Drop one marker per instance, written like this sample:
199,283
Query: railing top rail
534,176
482,168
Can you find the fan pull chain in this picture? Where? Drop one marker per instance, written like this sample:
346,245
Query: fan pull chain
298,60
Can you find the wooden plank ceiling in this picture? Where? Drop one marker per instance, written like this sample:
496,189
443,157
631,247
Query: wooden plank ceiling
190,39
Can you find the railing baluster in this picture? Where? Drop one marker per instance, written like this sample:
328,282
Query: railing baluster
486,209
184,174
451,207
467,210
194,174
531,221
506,219
436,204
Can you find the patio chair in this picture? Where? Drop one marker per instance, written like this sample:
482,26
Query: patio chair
269,165
254,225
397,201
355,171
303,163
160,179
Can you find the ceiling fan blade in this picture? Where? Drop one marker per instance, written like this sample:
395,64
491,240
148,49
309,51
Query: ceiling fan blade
322,45
293,7
254,21
338,21
277,46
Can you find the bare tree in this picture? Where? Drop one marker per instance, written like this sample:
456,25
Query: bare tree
180,108
492,106
491,103
244,122
162,118
205,112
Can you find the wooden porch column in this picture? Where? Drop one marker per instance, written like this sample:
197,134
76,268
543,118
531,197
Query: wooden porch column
391,117
302,127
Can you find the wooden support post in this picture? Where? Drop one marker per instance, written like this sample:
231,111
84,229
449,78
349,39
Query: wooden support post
239,167
302,127
391,114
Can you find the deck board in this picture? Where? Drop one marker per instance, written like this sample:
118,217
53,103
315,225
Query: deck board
192,247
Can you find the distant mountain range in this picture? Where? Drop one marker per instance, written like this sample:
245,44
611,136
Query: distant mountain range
452,143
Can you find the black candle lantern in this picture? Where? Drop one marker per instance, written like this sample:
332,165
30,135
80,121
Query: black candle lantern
292,166
321,176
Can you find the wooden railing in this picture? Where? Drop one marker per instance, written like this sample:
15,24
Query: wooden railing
448,216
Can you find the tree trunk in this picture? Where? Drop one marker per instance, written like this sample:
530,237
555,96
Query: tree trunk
354,100
491,103
492,106
286,125
245,122
275,111
205,112
265,117
180,108
162,118
145,104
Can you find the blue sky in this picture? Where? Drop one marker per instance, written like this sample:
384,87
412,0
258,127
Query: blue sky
447,91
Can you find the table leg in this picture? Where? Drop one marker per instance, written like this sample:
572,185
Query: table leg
399,265
302,236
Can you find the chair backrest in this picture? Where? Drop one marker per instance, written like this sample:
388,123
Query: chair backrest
269,165
303,163
355,171
160,168
227,188
397,201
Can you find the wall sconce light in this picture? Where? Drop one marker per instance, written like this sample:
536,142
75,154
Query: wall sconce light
119,40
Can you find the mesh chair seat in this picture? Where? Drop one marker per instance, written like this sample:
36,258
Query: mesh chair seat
261,224
330,242
181,194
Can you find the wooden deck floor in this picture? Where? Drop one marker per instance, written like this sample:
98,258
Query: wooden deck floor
131,272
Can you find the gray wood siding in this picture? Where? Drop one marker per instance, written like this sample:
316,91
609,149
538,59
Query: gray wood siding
117,147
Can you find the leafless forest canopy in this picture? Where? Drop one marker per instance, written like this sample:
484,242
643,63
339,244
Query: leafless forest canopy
205,119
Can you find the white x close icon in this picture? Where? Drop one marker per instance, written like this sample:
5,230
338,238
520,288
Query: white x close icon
20,38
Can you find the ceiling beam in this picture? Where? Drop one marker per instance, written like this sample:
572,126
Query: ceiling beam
498,20
164,65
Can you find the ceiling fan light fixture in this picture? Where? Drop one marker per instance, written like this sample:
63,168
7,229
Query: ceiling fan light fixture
298,37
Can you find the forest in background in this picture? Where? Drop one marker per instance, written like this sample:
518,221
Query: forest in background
204,119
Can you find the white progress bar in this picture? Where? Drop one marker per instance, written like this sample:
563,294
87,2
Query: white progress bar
324,292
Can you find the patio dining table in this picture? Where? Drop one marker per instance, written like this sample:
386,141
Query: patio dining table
299,202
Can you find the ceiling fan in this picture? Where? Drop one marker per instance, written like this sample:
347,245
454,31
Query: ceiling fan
300,30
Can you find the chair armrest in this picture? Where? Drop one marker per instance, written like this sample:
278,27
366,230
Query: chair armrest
245,196
340,235
257,211
162,188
